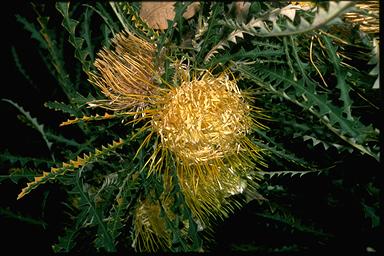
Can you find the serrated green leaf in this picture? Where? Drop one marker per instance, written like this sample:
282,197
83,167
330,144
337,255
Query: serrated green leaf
372,214
340,75
256,26
7,213
35,34
333,119
35,124
63,107
22,160
20,66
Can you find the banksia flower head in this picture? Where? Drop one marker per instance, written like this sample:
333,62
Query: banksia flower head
204,123
126,74
203,119
200,128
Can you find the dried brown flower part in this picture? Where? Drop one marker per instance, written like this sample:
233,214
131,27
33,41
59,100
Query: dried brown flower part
125,74
192,9
156,13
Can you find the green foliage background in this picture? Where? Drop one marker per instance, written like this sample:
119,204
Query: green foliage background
313,195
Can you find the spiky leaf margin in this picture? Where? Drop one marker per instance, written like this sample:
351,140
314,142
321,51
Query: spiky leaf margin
72,165
257,27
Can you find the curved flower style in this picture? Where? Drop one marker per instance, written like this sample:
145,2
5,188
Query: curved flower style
200,126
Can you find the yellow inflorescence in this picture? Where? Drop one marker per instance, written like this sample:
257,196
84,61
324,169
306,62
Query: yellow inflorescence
202,126
203,119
